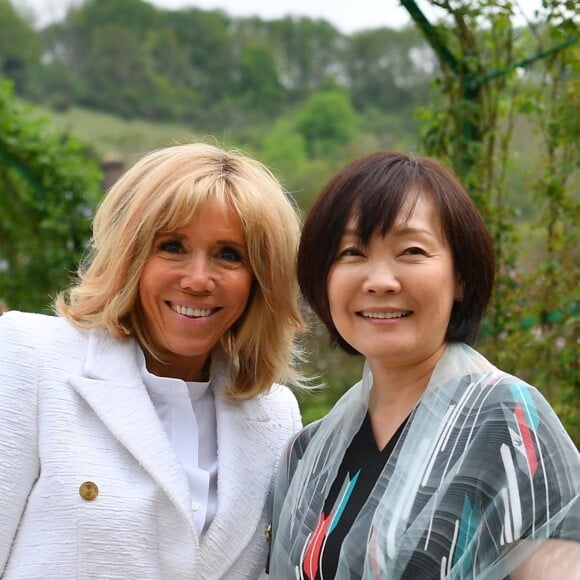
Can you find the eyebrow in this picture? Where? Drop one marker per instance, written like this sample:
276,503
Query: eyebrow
405,231
169,233
399,231
175,234
232,243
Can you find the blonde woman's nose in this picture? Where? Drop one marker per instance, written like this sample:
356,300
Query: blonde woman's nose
198,276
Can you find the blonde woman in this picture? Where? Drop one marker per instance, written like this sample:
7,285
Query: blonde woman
140,428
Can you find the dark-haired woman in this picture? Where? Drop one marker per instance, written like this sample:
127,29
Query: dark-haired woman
436,464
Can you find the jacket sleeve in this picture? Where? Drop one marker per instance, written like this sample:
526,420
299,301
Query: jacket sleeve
19,462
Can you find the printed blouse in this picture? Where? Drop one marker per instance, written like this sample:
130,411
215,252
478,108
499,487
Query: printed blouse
481,475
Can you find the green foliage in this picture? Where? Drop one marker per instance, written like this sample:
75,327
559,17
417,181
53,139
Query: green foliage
284,148
307,52
327,122
258,83
378,61
20,47
138,61
48,188
531,326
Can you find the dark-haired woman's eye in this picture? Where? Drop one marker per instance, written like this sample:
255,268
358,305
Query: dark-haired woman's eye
349,252
415,251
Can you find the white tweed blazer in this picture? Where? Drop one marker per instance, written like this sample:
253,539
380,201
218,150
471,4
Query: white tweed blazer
73,409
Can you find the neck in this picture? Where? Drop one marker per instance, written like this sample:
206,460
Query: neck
196,370
401,386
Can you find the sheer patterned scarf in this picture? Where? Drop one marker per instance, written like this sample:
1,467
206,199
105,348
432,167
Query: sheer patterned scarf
481,476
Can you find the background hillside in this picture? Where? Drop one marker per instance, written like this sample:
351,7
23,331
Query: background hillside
126,77
81,98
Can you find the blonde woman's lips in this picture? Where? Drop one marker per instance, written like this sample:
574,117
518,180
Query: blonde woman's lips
192,311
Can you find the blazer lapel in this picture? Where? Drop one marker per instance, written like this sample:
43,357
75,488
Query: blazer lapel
247,453
113,388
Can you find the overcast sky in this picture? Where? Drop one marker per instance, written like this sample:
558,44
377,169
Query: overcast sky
346,15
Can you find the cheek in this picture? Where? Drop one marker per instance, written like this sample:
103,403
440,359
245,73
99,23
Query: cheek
152,285
444,296
338,299
243,285
146,286
335,288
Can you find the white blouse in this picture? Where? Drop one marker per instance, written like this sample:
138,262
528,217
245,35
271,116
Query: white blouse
187,413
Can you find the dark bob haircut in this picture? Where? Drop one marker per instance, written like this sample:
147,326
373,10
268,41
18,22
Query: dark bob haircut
374,190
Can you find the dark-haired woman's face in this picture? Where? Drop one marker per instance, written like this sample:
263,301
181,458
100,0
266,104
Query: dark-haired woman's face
392,298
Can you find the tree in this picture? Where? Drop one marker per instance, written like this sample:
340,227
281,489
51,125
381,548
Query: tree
327,121
307,51
258,78
205,40
48,188
492,75
479,59
20,48
387,69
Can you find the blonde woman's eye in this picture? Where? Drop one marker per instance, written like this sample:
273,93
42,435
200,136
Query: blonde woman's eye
171,246
230,254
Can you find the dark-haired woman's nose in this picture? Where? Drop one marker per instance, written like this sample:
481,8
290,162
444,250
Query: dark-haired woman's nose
381,278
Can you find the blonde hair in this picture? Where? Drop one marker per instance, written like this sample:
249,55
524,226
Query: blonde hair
163,191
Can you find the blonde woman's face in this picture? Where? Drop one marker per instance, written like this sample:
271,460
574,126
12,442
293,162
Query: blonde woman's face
195,285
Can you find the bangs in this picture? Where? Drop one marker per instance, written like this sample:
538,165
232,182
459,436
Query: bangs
180,204
376,211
